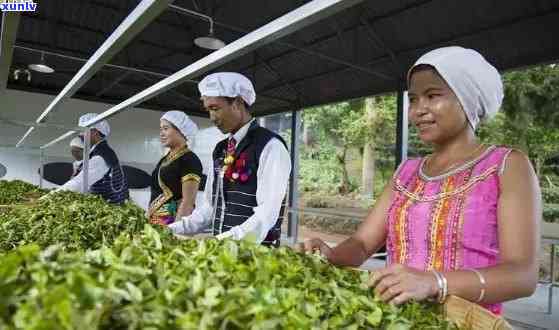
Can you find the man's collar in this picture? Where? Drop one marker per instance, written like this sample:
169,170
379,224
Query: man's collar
242,132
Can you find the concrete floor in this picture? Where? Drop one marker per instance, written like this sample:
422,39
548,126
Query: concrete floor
531,313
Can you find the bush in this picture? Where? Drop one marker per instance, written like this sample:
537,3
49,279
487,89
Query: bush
550,195
551,212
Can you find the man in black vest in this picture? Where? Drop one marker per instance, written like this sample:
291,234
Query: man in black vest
249,173
105,175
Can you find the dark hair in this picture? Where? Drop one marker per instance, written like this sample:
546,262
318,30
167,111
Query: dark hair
176,129
93,129
231,100
421,68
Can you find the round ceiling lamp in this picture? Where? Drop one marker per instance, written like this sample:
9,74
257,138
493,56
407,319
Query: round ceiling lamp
210,41
42,66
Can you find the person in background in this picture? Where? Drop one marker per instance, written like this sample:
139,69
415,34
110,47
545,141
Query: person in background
248,177
105,175
177,175
464,220
76,148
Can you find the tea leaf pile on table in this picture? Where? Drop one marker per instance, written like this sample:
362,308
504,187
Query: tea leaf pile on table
107,269
67,218
17,191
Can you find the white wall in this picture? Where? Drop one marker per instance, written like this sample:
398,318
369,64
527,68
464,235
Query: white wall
134,136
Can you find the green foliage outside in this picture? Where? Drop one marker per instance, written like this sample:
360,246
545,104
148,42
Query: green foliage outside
331,161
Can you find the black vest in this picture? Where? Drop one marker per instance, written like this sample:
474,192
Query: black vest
240,197
113,187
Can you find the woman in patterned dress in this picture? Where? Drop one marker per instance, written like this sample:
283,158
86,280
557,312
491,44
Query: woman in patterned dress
463,220
177,175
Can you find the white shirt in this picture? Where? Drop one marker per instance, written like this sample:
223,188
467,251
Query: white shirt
76,165
97,168
272,179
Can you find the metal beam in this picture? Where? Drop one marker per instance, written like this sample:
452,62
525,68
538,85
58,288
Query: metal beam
375,37
113,84
412,50
289,23
101,33
279,77
310,52
58,139
133,24
189,99
10,24
149,105
111,66
21,123
20,142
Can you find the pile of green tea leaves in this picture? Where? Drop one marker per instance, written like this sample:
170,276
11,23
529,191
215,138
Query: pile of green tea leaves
153,281
17,191
75,221
72,261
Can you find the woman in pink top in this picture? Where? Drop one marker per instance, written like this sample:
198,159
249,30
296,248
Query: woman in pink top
463,220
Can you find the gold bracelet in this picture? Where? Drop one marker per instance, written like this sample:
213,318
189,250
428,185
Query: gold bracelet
482,282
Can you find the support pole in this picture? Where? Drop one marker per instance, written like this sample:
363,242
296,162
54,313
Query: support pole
401,128
293,217
85,166
41,167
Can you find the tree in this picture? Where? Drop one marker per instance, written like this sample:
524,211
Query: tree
530,117
362,124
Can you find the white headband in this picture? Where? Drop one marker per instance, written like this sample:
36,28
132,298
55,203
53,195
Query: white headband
476,83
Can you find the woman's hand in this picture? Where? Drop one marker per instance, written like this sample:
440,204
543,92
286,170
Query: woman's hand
313,245
398,284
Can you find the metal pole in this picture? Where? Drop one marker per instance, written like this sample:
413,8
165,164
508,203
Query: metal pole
41,168
85,166
552,283
293,217
401,128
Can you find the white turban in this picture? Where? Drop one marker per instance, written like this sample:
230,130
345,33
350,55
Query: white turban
101,126
228,84
476,83
185,125
77,142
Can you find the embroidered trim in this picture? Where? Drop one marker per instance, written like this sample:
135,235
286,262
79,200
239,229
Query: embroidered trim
190,177
456,170
437,230
462,189
167,192
171,157
401,224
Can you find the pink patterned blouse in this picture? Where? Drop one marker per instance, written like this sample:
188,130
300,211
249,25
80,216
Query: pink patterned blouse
448,222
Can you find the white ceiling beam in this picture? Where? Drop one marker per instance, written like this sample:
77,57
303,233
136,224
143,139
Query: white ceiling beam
133,24
280,27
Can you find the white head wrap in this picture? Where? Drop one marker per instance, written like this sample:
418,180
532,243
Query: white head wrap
77,142
228,84
101,126
476,83
185,125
